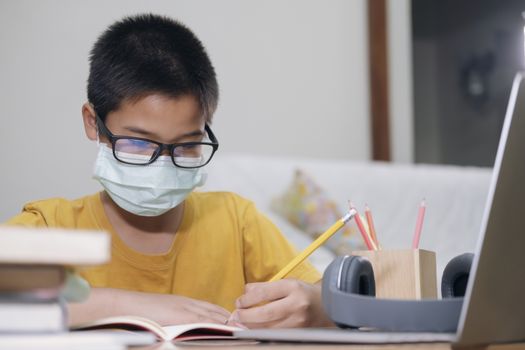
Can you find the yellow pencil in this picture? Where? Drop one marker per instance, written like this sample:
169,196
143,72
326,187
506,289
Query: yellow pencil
314,245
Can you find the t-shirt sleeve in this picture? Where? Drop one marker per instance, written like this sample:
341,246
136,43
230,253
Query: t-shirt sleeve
30,216
53,212
266,250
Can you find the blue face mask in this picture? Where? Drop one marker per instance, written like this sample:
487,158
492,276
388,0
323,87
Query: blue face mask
149,190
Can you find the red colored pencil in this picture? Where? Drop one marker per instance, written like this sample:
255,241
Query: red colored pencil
419,225
370,221
369,244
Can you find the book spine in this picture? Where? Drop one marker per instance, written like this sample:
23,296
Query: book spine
32,317
35,296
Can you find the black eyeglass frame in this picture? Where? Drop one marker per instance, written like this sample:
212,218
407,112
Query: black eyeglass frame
162,146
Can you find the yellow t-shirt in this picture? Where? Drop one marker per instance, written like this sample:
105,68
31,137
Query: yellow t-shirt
222,243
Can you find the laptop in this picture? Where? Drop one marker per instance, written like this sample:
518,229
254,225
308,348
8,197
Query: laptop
493,310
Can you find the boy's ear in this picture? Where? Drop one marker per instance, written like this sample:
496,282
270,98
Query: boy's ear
90,121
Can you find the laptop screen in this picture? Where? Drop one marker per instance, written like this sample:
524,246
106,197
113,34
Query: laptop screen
494,308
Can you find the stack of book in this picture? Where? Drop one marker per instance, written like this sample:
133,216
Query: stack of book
29,298
34,265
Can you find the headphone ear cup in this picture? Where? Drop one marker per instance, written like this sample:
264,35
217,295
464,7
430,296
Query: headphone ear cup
357,276
455,276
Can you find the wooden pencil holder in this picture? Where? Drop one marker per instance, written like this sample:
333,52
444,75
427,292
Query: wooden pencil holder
404,273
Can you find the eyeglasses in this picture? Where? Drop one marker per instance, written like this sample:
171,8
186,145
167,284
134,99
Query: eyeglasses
141,151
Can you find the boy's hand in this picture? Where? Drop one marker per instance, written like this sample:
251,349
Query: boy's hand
173,309
286,303
163,308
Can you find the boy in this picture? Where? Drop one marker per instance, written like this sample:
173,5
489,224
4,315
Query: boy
177,256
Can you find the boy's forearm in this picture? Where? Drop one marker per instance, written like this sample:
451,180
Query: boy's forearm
102,302
166,309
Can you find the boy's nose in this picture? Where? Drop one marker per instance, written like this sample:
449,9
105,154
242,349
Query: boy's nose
165,152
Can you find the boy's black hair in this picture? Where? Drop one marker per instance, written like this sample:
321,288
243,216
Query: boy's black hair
145,54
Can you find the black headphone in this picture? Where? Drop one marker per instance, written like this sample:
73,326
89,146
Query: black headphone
348,294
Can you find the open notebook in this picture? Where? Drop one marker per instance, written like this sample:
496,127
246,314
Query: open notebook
176,333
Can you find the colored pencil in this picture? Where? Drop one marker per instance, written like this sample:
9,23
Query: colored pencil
368,241
371,227
419,225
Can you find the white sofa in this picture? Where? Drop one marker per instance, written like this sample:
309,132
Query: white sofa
455,197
